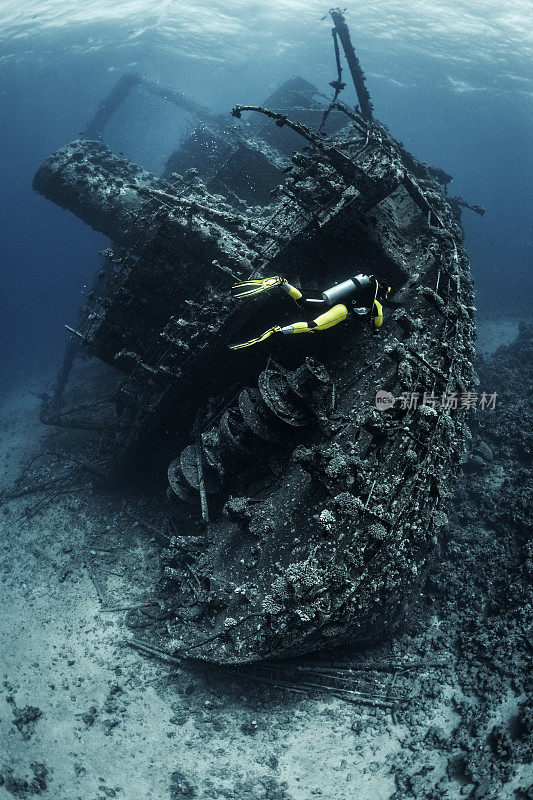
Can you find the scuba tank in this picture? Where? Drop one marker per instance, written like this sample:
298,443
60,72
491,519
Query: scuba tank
347,289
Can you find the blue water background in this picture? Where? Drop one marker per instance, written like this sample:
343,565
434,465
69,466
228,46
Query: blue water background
459,97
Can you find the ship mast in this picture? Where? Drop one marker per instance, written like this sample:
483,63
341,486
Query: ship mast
341,31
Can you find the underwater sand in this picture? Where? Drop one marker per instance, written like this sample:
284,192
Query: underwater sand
105,721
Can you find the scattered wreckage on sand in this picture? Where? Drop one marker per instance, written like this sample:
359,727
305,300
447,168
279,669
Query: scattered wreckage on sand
316,512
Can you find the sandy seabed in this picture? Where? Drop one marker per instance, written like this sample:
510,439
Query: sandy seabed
84,717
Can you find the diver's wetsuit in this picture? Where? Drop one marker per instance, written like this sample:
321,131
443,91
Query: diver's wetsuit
357,295
360,295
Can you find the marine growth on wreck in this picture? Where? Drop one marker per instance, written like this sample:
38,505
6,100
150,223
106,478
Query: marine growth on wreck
306,514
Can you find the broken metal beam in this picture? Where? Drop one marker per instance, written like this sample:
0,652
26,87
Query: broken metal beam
418,196
72,350
356,72
347,167
280,120
472,206
181,101
107,107
123,87
74,332
201,481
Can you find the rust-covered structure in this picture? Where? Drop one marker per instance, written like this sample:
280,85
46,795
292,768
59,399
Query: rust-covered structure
313,512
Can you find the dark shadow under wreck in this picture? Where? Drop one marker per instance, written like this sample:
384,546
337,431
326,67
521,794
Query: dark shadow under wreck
318,512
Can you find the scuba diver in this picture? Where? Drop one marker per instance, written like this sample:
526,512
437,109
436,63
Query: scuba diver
361,295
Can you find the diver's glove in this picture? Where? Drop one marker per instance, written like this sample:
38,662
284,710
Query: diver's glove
250,342
248,288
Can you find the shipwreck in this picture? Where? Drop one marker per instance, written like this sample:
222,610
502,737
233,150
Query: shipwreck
304,514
